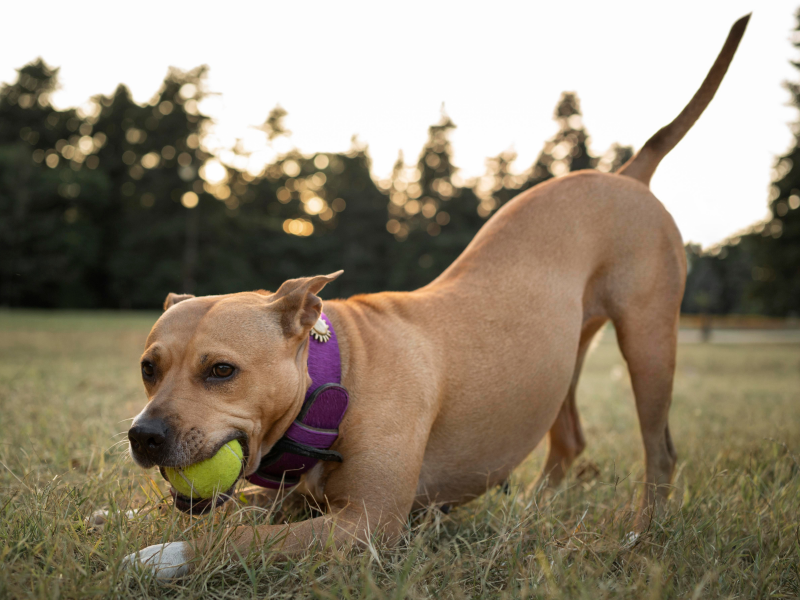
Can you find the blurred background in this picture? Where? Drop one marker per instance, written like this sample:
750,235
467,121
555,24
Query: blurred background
111,198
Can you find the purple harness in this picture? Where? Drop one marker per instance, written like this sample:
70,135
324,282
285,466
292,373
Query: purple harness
316,428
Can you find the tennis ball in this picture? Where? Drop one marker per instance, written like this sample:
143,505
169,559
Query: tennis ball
202,479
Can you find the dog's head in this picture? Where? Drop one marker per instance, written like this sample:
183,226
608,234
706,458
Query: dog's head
218,368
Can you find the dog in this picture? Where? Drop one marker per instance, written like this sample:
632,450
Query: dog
450,386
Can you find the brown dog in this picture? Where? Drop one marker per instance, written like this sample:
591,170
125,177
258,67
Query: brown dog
453,385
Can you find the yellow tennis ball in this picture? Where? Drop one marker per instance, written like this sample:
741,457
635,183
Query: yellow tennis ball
203,479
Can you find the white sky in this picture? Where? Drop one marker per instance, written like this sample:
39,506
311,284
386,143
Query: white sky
383,69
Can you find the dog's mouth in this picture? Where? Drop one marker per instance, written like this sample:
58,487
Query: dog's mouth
200,506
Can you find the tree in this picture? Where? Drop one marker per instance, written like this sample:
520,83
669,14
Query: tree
47,245
565,152
499,184
758,271
164,216
432,217
776,256
274,126
118,203
568,149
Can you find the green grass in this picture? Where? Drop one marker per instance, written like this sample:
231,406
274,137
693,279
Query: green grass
69,383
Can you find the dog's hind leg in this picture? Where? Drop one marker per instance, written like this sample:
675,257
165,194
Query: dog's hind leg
648,341
565,438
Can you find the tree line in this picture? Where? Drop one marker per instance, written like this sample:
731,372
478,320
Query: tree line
115,204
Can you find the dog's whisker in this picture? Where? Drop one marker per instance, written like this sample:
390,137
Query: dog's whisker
117,445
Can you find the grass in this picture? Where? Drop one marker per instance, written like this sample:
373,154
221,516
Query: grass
69,383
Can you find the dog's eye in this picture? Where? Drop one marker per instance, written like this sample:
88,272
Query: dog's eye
148,370
221,371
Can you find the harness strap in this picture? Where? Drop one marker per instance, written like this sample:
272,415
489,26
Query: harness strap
316,428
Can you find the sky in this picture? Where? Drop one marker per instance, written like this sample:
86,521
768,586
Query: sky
382,70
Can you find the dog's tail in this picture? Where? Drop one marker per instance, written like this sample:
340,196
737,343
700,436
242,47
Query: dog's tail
644,162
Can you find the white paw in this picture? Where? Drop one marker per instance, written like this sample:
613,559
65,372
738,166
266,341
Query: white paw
168,560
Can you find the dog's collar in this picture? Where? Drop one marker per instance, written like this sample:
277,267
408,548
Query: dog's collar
316,428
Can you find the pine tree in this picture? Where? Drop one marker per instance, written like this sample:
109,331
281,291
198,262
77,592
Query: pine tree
614,158
48,242
499,184
431,216
565,152
118,205
568,149
419,194
274,126
776,258
168,220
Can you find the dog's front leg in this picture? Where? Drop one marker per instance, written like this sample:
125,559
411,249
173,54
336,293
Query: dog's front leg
369,495
343,529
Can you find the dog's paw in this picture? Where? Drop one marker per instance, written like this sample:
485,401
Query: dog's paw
167,561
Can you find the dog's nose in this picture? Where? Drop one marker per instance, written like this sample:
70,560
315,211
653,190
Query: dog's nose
149,438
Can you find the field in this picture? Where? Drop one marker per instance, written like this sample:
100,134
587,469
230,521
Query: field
69,384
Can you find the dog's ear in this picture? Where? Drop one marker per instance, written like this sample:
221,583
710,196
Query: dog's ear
173,299
298,304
